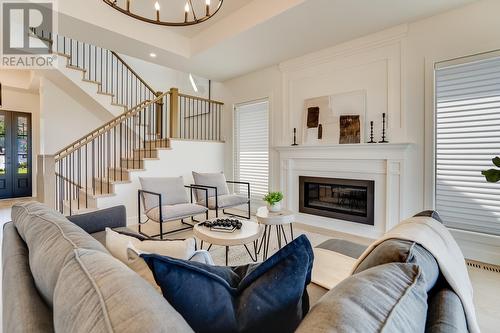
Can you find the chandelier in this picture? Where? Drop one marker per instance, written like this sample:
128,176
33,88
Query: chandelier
140,9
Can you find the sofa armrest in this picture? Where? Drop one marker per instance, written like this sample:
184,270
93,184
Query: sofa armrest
114,217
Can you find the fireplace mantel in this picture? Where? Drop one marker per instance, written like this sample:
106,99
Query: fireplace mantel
349,151
382,163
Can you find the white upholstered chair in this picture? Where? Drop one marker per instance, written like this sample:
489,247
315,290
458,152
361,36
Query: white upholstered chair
219,196
165,199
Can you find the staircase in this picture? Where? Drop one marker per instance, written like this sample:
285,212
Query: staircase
97,166
101,73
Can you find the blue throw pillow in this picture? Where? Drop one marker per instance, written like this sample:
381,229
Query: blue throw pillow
266,297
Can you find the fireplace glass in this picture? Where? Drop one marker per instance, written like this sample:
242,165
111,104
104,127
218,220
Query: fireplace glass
345,199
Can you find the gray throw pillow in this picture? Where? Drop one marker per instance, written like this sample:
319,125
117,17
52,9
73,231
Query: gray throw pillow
386,298
51,239
398,250
97,293
172,191
211,179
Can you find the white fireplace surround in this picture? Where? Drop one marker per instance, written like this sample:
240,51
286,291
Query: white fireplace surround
382,163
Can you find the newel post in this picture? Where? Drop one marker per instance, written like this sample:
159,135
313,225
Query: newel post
159,116
174,113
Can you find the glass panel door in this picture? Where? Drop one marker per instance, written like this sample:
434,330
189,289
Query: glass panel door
15,154
22,154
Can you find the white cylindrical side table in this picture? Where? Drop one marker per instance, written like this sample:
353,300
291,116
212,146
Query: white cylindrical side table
278,220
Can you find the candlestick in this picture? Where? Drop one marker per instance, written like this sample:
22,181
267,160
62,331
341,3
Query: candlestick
157,7
294,137
371,133
186,12
383,129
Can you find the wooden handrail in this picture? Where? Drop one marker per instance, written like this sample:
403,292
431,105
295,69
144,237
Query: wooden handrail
133,72
107,126
200,99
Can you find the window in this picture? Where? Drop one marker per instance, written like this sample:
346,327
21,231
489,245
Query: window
252,146
467,138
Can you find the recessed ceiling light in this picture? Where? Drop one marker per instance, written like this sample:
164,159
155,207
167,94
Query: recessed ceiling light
152,55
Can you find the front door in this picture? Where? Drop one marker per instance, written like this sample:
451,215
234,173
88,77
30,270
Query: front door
15,154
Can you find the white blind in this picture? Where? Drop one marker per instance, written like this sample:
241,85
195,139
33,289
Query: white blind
252,147
467,138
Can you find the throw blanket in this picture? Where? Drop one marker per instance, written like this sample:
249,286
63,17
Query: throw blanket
436,239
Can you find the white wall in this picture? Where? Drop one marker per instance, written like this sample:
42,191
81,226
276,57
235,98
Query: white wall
64,119
183,158
395,67
163,78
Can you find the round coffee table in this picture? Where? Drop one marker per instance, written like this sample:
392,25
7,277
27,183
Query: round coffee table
250,232
276,219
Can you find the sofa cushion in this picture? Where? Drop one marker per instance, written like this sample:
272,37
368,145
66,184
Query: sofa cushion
267,297
117,244
386,298
113,217
216,179
97,293
226,200
446,313
23,308
397,250
172,191
51,239
175,212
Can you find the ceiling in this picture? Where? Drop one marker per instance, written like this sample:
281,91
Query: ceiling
245,35
173,10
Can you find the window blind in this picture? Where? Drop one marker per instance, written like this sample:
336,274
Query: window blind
252,147
467,138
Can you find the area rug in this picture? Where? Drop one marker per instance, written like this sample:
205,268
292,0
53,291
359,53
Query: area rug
334,260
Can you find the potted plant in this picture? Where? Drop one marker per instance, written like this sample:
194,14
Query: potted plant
493,175
273,200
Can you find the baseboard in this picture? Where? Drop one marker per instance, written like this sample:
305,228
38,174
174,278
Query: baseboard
478,247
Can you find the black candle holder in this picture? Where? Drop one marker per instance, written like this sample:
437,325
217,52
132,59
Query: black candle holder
294,137
371,133
383,130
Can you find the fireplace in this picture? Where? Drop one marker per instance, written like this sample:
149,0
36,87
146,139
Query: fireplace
344,199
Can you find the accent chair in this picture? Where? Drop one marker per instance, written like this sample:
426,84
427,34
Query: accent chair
165,200
219,196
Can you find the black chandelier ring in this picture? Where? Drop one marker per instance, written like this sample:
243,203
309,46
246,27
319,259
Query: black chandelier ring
190,17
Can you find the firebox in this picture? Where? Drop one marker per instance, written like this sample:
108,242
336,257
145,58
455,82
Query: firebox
345,199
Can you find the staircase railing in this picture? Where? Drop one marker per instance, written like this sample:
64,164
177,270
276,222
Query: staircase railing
104,67
91,165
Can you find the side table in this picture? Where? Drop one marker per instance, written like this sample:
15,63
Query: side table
278,220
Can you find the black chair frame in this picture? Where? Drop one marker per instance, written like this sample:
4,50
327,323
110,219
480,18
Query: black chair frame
217,202
140,195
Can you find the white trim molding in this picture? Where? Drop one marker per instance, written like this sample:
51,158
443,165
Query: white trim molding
382,163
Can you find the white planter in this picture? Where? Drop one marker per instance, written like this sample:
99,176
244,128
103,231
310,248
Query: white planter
274,208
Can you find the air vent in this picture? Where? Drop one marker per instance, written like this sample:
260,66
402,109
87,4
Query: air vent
483,266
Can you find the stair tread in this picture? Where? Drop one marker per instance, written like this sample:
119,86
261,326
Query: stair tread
76,68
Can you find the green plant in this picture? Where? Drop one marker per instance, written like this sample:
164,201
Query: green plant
273,197
493,175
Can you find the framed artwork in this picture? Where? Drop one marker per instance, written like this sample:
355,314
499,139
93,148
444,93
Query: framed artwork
349,129
322,118
312,117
